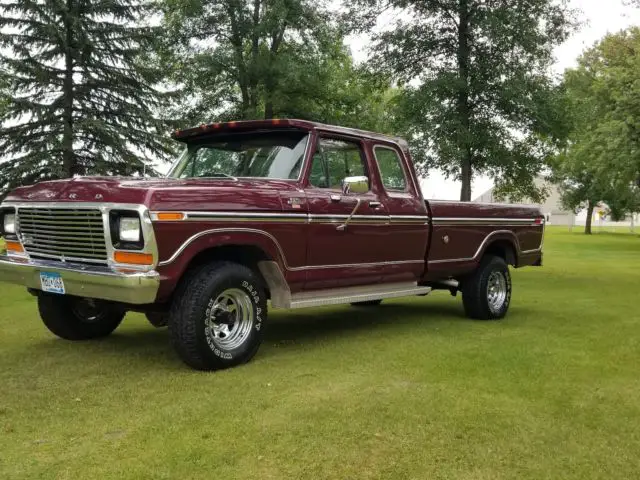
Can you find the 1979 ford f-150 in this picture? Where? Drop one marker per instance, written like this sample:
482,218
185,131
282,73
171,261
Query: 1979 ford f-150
298,213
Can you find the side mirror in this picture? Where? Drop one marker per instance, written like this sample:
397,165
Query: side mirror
355,185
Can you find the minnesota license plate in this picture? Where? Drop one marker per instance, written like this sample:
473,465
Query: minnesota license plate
51,282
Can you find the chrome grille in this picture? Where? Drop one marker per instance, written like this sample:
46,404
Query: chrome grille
70,234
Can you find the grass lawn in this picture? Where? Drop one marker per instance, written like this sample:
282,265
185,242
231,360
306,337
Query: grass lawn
410,390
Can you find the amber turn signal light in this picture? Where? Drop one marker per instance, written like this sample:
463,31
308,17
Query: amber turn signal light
133,258
14,247
170,216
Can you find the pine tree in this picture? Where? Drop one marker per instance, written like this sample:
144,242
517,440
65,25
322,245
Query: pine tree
80,98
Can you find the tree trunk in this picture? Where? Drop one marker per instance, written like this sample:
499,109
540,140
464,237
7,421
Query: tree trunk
268,107
69,160
244,71
270,83
465,191
462,106
587,227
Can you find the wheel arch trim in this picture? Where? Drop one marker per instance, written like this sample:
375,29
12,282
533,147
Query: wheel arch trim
251,231
492,238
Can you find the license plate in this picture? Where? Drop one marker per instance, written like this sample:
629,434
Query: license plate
51,282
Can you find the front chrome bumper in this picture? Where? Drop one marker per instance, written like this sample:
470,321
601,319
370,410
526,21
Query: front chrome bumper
84,280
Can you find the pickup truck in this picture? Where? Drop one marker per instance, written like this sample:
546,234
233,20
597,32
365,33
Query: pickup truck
285,213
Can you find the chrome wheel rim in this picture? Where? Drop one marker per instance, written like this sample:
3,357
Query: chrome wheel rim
230,319
496,291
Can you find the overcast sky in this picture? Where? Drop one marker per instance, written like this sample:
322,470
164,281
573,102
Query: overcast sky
599,16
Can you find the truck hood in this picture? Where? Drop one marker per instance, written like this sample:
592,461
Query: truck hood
163,193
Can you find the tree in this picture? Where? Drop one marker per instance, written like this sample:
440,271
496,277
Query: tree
230,55
81,99
480,98
601,162
268,58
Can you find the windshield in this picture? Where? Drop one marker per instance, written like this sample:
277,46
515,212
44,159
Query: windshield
271,154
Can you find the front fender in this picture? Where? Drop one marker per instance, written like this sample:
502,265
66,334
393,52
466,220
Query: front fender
173,267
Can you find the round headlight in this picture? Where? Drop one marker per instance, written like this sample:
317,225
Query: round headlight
9,223
129,230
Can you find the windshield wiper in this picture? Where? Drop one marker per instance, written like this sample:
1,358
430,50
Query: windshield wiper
217,175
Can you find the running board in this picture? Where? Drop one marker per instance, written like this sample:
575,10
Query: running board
337,296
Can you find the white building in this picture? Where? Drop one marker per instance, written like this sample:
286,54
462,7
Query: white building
552,208
555,214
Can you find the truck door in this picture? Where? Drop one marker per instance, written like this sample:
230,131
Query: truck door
408,234
341,252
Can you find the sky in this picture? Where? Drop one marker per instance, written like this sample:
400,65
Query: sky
598,17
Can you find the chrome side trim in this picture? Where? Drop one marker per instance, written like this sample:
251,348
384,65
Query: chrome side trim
193,238
293,217
233,216
338,296
335,218
196,236
440,221
482,246
353,265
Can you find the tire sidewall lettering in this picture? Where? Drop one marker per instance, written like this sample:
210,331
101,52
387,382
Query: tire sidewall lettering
254,294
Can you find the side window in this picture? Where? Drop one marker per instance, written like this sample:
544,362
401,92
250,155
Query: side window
391,171
335,160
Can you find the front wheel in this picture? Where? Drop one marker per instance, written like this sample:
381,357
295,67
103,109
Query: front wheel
217,316
486,294
74,318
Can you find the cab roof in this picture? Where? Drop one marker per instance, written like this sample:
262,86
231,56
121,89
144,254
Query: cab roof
188,134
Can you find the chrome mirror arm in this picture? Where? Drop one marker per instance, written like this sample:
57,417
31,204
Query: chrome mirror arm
343,227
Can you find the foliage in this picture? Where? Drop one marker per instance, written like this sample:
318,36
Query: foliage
80,98
601,162
480,100
267,58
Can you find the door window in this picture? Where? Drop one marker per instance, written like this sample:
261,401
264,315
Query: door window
333,161
391,171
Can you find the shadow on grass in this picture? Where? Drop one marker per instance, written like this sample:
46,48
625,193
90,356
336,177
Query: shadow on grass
152,347
307,325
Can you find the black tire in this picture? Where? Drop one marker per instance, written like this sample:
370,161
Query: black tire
198,333
74,318
476,293
370,303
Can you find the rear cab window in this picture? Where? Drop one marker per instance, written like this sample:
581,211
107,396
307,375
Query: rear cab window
392,171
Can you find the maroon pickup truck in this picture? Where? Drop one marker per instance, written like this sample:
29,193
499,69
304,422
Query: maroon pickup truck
290,212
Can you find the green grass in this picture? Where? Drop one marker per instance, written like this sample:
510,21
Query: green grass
411,390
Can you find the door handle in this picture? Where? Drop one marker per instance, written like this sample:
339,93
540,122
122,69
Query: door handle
336,198
375,204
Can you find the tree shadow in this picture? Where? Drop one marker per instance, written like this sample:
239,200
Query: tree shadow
151,347
308,325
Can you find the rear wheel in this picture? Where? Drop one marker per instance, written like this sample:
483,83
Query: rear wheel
216,319
74,318
486,294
